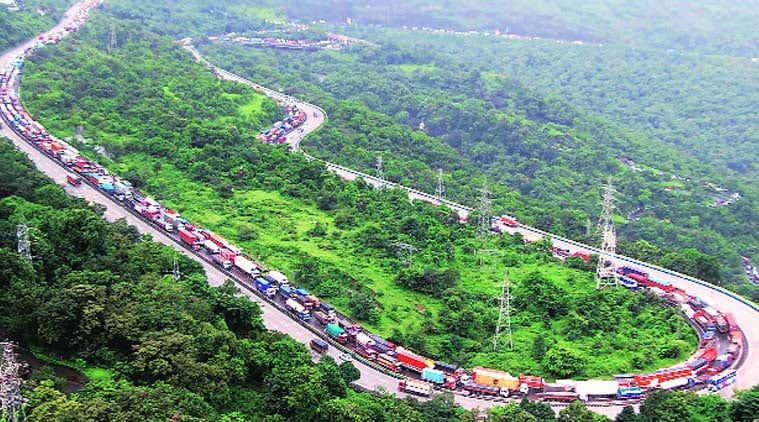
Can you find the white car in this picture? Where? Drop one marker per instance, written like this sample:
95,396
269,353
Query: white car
346,357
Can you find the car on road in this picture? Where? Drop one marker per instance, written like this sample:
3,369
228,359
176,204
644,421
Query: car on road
346,357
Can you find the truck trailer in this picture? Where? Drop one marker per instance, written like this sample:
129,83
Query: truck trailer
415,387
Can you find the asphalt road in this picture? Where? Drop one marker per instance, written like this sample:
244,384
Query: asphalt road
371,379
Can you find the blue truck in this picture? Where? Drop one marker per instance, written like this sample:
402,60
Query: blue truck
264,286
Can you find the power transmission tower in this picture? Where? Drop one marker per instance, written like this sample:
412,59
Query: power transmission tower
112,43
486,213
22,235
440,191
482,253
504,314
380,169
175,271
605,274
11,400
404,252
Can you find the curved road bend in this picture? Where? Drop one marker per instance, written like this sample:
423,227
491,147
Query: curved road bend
273,318
746,317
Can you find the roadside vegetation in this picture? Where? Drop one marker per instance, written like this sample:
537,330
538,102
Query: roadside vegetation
544,158
31,18
176,136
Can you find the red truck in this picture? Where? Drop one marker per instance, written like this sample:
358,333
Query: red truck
73,180
189,238
410,360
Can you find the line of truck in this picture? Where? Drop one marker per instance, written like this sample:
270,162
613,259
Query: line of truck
422,374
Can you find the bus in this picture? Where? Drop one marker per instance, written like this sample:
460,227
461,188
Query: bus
722,380
319,345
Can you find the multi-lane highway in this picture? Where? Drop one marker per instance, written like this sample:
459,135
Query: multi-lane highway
275,319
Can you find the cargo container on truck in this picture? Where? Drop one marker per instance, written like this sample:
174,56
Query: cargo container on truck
327,309
264,286
415,387
246,266
677,383
433,375
298,309
588,390
210,247
336,332
279,277
221,261
474,388
323,318
286,292
364,340
228,255
189,238
387,361
630,392
495,378
411,360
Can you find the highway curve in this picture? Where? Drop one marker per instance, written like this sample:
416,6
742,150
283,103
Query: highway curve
745,312
274,319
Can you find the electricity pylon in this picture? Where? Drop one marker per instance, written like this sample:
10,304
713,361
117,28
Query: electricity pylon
504,314
440,191
486,213
606,275
404,252
11,400
22,235
380,168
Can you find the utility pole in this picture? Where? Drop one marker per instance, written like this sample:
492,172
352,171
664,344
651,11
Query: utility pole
486,213
11,400
405,252
606,275
22,235
440,191
504,314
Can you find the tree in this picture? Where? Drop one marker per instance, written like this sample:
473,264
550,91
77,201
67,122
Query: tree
349,372
563,361
509,413
746,407
539,347
541,410
627,415
576,412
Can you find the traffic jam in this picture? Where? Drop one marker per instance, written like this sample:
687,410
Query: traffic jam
710,367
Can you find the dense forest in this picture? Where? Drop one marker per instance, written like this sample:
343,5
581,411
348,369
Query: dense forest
337,239
682,25
97,295
31,18
545,158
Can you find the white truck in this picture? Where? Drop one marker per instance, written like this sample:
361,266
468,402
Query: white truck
245,265
364,340
415,387
279,277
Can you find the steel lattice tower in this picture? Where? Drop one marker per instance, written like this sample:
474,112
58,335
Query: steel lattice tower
405,252
440,191
605,272
504,314
380,167
11,400
22,235
175,271
486,213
